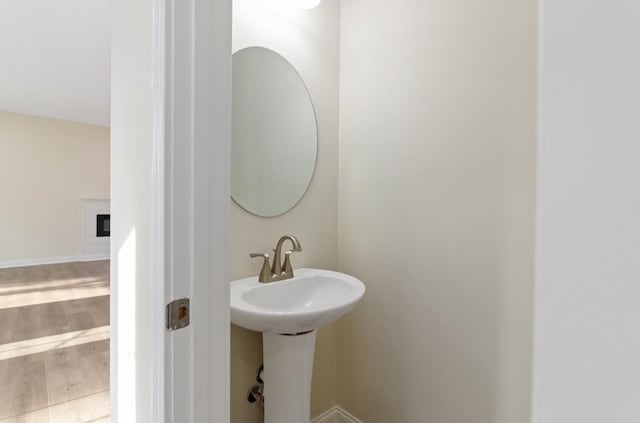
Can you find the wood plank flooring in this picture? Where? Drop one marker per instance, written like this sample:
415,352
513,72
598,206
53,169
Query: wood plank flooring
54,343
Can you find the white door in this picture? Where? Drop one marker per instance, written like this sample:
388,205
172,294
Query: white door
171,70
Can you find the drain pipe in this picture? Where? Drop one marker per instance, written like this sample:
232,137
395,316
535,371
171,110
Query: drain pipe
255,394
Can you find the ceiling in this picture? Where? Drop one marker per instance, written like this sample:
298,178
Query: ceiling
55,59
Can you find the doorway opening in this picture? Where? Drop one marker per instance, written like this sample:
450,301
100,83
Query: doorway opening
55,212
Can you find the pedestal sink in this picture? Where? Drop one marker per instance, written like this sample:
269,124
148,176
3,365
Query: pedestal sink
288,313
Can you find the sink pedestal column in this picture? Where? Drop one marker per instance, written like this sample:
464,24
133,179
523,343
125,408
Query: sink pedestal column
288,367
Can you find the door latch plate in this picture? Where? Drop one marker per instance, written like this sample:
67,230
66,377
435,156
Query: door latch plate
178,315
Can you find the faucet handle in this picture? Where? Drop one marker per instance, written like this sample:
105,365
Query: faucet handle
287,268
265,272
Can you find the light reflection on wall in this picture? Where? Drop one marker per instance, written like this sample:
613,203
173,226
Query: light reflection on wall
126,346
302,4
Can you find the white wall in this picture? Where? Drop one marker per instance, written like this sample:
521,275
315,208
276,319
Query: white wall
436,209
46,168
309,40
587,366
133,306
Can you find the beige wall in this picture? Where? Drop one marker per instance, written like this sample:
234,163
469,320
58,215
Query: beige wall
309,40
46,167
436,204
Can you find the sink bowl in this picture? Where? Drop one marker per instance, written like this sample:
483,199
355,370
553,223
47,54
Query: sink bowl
310,300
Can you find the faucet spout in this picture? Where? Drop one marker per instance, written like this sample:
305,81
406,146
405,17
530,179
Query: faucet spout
276,266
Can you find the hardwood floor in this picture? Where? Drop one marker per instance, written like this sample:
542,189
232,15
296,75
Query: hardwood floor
54,343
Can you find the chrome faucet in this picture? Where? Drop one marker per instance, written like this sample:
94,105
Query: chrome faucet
278,270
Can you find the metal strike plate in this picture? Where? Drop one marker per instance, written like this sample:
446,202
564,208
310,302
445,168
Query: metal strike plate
178,314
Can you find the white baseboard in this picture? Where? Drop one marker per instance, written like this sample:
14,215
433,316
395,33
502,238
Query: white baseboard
50,260
336,415
95,257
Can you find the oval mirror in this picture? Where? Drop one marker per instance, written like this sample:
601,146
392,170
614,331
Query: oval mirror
274,133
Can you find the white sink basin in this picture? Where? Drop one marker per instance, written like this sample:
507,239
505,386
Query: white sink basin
312,299
287,313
